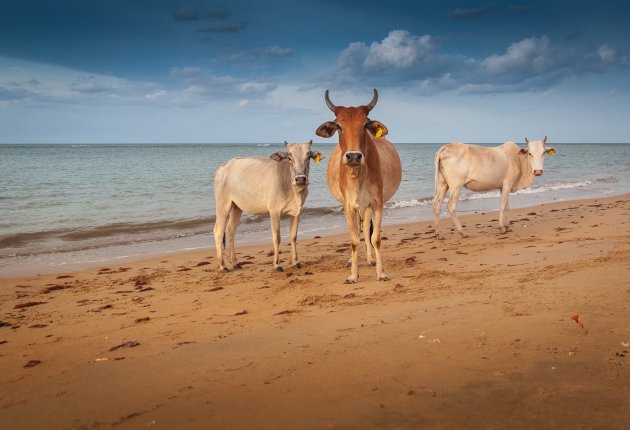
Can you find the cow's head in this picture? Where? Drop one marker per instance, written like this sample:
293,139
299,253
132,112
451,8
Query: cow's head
352,123
299,155
536,151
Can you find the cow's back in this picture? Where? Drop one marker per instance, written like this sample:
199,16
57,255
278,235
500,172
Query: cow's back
391,169
478,168
252,183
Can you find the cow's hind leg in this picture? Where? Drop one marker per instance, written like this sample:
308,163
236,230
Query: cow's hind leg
222,212
438,199
452,208
376,241
275,234
294,229
504,208
235,217
368,227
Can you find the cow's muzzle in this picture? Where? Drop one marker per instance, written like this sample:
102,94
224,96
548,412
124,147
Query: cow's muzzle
353,158
301,180
538,172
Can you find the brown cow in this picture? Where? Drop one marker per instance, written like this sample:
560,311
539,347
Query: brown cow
363,172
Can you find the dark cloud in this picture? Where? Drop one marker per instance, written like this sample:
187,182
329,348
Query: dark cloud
405,60
259,55
222,27
464,14
185,13
514,10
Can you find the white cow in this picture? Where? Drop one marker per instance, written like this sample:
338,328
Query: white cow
259,186
507,167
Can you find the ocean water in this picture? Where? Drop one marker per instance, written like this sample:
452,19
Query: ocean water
64,207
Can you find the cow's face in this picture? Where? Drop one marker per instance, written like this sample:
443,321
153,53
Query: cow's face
536,151
299,156
352,124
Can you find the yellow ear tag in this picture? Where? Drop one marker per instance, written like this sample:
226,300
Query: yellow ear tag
317,159
379,133
551,152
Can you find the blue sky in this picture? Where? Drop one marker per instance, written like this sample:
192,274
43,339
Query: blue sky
171,71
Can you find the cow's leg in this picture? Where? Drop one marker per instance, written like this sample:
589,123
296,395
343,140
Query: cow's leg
367,221
352,216
504,223
376,241
452,208
294,229
235,217
438,199
275,234
222,212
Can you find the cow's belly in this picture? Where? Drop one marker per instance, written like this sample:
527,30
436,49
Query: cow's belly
476,185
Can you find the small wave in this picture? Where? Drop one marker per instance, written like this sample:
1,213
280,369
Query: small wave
409,203
263,144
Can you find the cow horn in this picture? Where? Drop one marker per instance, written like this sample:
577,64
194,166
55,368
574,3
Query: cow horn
371,105
330,104
545,140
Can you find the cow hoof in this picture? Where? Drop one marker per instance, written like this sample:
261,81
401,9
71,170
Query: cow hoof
297,266
383,278
349,281
439,237
237,266
225,270
349,264
278,269
373,263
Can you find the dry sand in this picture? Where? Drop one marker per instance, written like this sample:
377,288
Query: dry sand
478,332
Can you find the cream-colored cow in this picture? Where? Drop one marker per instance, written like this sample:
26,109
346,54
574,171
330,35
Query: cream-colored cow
259,186
507,168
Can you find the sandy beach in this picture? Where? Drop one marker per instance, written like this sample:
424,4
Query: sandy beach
525,330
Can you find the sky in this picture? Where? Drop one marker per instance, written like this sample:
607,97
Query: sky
205,71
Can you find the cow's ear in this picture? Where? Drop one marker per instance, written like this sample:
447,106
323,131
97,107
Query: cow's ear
278,156
550,150
316,155
375,126
327,129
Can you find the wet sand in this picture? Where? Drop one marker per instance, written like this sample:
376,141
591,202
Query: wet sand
525,330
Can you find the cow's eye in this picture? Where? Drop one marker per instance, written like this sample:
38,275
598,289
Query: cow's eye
289,158
338,127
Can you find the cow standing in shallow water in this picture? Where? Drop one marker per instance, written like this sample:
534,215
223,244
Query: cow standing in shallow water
363,172
507,168
259,186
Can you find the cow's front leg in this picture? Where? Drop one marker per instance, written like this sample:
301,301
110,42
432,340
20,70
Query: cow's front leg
376,241
352,216
367,222
294,229
275,234
504,224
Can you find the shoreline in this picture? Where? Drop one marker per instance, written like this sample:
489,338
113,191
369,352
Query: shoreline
474,332
80,260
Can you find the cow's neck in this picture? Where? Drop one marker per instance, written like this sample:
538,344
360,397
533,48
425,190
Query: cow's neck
354,179
299,193
527,174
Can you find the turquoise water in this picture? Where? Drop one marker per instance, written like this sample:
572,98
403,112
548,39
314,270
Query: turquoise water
66,205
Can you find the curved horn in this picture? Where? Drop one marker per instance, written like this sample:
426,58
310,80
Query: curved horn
330,104
374,100
545,140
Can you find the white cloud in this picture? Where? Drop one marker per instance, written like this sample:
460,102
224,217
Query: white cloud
415,63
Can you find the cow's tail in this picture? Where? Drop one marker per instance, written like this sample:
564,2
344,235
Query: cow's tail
437,169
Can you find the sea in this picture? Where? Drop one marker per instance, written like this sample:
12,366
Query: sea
68,207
